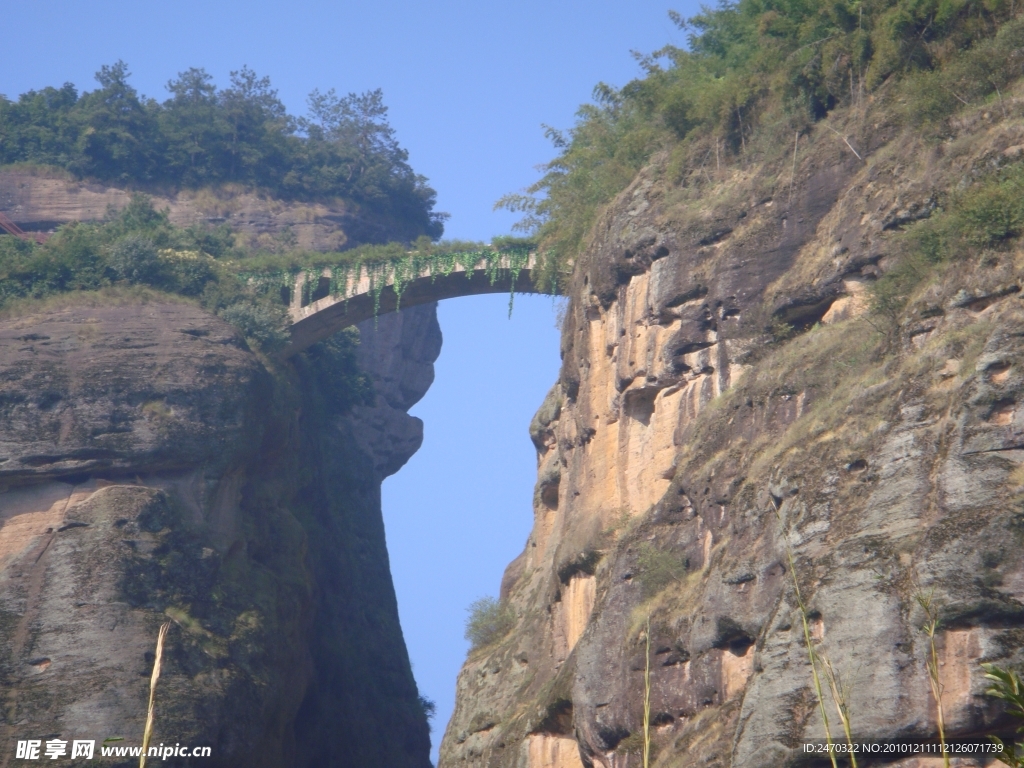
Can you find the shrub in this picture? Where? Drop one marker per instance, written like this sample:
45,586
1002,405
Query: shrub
428,707
185,272
489,621
134,259
333,362
265,324
659,568
994,212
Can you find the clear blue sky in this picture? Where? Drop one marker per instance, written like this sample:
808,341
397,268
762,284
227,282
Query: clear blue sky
468,85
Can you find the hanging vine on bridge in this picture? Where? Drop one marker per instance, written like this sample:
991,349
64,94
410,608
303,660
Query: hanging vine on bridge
398,272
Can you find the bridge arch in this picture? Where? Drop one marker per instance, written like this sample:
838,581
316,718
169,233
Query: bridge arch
368,290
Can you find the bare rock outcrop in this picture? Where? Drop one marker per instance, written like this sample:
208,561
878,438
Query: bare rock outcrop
40,202
124,388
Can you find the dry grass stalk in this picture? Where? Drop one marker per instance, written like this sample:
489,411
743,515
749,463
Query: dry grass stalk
846,141
647,697
930,628
792,177
148,733
842,705
811,653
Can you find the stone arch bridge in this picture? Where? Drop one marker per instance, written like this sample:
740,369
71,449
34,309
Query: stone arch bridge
318,311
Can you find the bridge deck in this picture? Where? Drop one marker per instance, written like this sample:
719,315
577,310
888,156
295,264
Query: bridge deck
326,316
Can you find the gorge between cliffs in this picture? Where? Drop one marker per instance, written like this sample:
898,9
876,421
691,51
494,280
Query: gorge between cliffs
745,441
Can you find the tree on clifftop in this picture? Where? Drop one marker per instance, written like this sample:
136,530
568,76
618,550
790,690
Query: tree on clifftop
201,135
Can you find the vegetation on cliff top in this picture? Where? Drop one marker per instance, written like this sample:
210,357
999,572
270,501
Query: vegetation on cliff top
755,72
139,246
344,148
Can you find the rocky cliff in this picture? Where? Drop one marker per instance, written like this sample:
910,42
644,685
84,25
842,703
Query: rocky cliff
153,469
728,405
39,201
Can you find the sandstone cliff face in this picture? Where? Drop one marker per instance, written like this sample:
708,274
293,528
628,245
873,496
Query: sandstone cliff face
41,203
153,469
685,453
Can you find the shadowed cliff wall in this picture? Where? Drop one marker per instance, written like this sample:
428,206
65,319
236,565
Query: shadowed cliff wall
152,469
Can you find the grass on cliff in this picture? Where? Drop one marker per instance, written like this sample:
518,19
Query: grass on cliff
113,295
974,222
754,73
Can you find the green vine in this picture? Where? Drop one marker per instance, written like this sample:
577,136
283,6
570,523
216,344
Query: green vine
309,286
398,272
339,283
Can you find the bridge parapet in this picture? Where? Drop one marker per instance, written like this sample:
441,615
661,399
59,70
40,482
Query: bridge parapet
323,301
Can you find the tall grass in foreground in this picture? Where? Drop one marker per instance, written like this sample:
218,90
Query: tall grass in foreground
839,696
148,733
811,653
647,697
930,627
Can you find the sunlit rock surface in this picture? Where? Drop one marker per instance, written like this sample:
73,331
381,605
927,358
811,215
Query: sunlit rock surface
725,401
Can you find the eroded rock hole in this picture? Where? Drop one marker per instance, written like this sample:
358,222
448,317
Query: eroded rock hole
692,294
1001,414
738,646
998,373
716,236
549,494
640,404
804,315
583,564
557,719
611,736
816,624
48,400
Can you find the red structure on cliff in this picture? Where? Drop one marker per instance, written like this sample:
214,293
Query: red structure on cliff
11,228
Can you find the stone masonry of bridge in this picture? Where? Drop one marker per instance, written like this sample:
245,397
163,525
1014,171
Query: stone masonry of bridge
318,314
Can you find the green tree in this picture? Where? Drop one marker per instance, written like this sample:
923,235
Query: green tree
258,129
193,129
39,127
201,135
768,67
120,140
134,259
